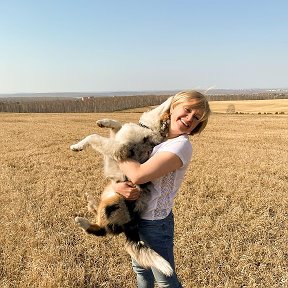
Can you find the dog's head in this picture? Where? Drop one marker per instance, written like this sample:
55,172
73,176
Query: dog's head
156,119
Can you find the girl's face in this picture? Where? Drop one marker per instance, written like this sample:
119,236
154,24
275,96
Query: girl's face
184,119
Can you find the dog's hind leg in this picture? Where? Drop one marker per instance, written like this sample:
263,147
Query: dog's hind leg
91,203
89,227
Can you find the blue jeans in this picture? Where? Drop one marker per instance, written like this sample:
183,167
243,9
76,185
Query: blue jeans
158,235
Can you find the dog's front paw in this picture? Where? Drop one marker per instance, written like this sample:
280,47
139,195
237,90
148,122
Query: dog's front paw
101,123
76,147
108,123
82,223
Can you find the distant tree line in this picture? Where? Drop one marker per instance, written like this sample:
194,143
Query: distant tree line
80,105
109,104
252,96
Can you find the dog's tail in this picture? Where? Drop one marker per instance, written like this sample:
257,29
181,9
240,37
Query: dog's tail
147,258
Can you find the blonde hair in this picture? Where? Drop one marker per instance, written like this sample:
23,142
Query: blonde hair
200,103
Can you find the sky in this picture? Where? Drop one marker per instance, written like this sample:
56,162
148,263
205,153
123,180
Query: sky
131,45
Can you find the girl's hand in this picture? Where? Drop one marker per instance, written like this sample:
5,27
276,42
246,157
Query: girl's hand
127,189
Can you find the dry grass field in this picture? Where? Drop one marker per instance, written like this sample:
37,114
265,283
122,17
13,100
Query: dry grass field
252,106
231,213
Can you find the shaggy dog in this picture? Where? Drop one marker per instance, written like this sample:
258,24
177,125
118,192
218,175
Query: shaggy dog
115,214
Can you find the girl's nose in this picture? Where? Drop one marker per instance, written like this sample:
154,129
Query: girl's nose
190,116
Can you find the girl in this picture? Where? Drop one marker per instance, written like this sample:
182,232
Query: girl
189,112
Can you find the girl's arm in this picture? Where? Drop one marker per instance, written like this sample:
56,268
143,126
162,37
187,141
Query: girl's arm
157,166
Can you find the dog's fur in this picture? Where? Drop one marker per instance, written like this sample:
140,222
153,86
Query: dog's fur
115,214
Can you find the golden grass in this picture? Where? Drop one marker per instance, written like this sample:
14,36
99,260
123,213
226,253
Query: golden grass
231,213
252,106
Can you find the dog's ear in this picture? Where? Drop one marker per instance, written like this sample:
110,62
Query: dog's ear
165,106
159,110
152,118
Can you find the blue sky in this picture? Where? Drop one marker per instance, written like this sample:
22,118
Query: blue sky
123,45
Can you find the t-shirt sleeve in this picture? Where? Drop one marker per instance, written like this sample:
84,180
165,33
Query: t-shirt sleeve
181,147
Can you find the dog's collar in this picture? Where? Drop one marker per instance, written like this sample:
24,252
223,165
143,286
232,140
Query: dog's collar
144,126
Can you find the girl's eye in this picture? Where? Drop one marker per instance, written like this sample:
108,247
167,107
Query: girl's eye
187,110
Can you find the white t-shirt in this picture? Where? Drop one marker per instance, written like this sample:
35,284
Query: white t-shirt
163,190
